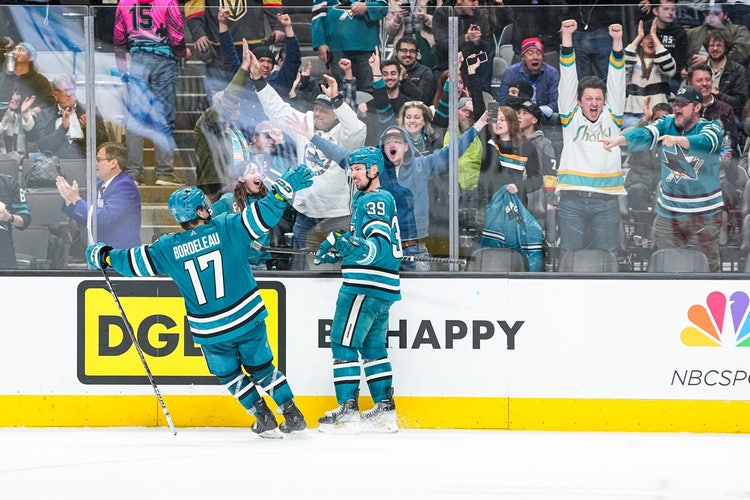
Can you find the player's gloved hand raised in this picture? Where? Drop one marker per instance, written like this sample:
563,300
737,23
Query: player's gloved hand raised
96,255
326,254
355,248
293,180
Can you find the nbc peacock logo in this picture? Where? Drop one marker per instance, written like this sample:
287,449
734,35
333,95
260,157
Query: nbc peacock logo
720,322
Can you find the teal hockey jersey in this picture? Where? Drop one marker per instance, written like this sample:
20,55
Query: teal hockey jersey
374,218
690,181
209,263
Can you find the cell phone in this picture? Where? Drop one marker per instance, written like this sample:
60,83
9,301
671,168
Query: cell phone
472,59
492,108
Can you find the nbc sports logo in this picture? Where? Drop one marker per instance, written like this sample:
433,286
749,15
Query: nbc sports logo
719,322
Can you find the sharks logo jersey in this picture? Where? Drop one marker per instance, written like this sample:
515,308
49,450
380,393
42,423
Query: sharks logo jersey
316,160
690,181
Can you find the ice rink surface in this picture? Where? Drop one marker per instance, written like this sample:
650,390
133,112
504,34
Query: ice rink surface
232,463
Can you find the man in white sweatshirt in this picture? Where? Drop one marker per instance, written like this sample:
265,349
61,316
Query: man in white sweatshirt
327,203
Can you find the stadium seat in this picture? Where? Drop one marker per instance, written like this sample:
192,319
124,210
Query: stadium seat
72,169
499,67
9,163
497,259
44,205
588,260
745,242
31,247
75,169
678,260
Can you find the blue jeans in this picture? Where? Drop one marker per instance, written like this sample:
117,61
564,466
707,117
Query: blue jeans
694,230
588,221
592,52
151,101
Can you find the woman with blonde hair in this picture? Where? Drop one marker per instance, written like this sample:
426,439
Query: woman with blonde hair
416,118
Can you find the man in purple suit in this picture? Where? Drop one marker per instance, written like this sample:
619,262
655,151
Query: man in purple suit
118,201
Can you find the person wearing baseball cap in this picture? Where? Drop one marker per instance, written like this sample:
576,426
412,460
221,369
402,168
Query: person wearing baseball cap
541,78
689,202
530,123
687,95
532,110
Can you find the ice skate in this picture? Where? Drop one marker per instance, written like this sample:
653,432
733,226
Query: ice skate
293,419
344,419
382,417
265,423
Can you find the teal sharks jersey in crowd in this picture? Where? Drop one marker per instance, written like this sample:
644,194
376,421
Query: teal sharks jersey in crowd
690,182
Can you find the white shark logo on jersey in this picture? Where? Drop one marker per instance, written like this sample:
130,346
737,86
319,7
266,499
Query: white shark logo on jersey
316,160
680,165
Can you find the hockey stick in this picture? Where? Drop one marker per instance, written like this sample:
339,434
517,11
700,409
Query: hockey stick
140,352
307,251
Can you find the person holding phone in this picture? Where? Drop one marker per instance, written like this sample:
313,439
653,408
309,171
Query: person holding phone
474,36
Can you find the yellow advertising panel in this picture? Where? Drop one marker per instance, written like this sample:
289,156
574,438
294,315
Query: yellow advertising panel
156,312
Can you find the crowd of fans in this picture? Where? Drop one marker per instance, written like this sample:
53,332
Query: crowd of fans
568,88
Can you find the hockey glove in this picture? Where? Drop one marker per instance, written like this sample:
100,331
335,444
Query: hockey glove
291,181
326,254
97,254
357,249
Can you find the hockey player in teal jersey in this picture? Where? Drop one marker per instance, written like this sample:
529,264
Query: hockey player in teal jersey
209,263
370,255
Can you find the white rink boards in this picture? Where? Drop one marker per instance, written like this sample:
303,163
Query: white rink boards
526,353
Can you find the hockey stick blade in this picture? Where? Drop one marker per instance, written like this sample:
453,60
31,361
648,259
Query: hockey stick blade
307,251
138,349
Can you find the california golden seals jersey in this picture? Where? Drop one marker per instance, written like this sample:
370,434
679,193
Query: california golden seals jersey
584,164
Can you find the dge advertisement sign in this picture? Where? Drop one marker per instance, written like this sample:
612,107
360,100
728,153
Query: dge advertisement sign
156,313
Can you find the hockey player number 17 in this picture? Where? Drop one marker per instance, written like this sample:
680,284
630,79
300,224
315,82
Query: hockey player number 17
203,262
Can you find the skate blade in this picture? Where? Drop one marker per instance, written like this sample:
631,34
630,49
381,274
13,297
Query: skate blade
271,434
380,428
298,435
288,432
341,428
